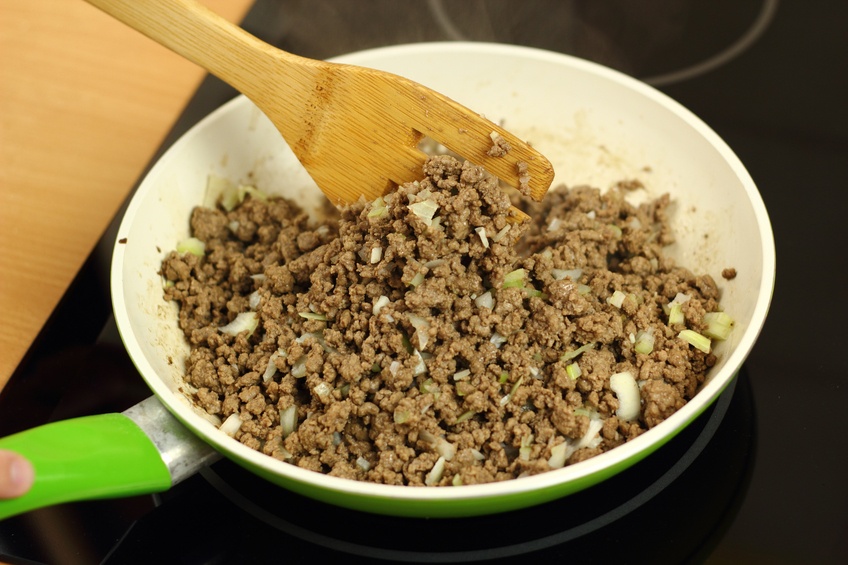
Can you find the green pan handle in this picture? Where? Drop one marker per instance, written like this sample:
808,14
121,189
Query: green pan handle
102,456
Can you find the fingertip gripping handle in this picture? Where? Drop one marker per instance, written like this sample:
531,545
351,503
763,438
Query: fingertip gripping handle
101,456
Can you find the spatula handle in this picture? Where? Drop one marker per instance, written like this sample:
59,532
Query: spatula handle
205,38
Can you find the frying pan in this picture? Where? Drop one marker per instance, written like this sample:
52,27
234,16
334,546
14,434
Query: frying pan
596,126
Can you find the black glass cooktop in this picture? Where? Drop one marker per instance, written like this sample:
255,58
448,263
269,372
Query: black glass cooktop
758,478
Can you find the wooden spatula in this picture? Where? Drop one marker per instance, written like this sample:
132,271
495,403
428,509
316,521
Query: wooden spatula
355,130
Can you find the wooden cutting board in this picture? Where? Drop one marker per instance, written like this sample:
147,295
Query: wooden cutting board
85,102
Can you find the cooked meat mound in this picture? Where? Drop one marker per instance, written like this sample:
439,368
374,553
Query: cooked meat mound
424,339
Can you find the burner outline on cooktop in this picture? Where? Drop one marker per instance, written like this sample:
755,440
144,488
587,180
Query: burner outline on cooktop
749,37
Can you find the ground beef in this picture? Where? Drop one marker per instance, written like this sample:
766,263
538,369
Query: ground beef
425,330
500,146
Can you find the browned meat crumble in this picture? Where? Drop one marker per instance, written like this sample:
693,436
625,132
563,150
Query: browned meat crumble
408,347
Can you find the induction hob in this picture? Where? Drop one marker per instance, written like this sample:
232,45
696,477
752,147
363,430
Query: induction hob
758,478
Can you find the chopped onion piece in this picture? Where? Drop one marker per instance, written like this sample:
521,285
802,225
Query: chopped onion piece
322,389
588,412
417,279
378,208
498,236
363,463
376,254
429,387
309,335
260,277
445,448
615,230
505,400
421,366
461,375
401,416
695,339
497,339
584,289
215,187
288,420
617,298
485,300
644,341
191,245
298,370
253,192
254,299
533,293
590,438
678,299
435,474
246,321
573,371
233,196
554,225
526,447
719,325
434,263
514,279
313,316
229,197
425,210
379,303
481,231
465,416
681,298
421,326
393,367
627,391
559,454
560,274
378,212
675,315
271,369
440,445
231,425
569,355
